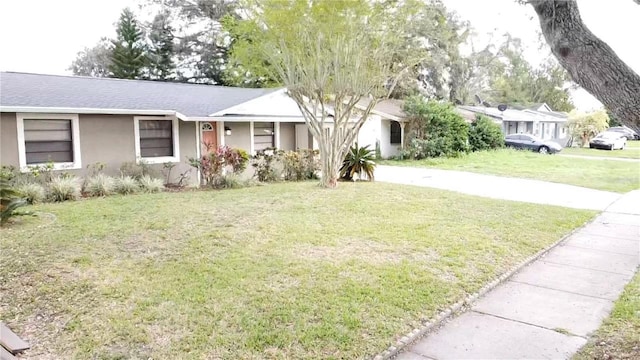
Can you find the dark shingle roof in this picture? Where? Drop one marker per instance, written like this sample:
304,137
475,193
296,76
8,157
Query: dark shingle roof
191,100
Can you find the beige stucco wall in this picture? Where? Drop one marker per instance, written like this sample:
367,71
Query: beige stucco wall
188,143
108,139
240,137
287,136
8,140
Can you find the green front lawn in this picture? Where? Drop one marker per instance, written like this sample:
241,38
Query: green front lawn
619,335
630,152
618,176
279,271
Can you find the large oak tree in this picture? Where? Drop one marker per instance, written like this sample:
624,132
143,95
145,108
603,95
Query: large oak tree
590,61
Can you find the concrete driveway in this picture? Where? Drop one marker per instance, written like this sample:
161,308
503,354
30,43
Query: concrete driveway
499,187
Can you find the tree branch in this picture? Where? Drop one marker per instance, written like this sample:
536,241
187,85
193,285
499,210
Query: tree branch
590,61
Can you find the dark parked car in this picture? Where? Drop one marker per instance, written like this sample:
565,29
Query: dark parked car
628,133
533,143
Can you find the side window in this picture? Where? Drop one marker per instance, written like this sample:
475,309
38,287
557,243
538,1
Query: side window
395,133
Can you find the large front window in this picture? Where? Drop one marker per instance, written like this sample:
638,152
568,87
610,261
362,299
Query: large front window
48,139
156,139
263,135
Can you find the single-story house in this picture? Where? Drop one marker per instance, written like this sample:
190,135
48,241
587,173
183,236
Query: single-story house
538,120
78,121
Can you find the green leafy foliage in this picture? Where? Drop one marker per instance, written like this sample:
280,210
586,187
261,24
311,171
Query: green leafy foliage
128,57
484,134
300,165
100,185
63,188
161,50
136,169
10,201
211,165
267,165
358,161
583,127
435,129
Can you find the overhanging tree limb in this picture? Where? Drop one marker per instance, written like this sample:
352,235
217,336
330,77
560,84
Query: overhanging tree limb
590,61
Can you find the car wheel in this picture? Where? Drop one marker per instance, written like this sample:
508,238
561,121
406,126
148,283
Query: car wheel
543,150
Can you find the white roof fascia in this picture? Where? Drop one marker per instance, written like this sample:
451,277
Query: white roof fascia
66,110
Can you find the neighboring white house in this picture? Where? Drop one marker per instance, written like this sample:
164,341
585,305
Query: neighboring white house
538,120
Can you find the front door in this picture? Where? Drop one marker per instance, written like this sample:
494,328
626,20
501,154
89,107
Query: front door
302,137
209,137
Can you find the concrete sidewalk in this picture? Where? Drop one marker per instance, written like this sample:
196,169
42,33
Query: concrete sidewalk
499,187
549,308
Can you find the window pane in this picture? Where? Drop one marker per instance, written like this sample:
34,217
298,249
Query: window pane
156,138
263,135
48,140
396,134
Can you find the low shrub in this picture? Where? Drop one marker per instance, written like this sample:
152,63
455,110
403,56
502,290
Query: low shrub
150,185
10,201
34,193
359,160
136,170
484,134
126,185
300,165
436,129
230,181
63,188
266,165
212,165
100,185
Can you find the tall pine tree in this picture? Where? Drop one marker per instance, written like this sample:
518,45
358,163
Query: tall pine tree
128,57
161,65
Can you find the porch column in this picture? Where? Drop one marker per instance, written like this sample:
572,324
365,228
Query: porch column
220,132
276,134
252,147
402,124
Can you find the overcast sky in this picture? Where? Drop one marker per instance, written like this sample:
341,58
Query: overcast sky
43,36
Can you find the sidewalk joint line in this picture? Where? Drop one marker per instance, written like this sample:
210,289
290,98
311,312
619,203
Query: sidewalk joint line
582,267
599,250
526,323
565,291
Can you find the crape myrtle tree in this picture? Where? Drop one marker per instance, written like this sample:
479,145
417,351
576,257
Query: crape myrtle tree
590,61
330,55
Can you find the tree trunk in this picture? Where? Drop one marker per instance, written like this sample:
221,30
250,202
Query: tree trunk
330,169
590,61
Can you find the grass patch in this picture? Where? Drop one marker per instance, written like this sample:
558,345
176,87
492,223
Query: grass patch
279,271
628,153
617,176
619,335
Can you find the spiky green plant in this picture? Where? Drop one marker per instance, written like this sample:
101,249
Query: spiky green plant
126,185
150,185
32,192
10,201
100,185
359,160
63,188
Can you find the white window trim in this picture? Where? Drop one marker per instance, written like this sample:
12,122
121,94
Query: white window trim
75,138
176,140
